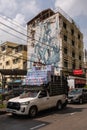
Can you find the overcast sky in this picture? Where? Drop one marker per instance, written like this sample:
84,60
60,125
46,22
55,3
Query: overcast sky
13,12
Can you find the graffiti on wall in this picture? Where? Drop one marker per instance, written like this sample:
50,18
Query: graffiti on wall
46,49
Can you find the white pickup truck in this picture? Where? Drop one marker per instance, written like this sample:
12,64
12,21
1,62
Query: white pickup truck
31,102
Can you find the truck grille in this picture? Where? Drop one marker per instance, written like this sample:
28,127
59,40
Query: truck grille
13,105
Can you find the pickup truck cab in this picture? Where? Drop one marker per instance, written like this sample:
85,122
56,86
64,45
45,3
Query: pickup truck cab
31,102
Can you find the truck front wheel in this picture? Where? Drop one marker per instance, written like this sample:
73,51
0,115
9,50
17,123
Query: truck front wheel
59,105
33,111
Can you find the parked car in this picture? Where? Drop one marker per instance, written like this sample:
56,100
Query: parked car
77,95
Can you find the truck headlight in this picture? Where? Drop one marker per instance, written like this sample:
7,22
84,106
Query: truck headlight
25,103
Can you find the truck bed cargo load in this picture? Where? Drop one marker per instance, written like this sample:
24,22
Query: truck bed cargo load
46,79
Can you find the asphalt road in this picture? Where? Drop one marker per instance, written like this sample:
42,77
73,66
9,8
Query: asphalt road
73,117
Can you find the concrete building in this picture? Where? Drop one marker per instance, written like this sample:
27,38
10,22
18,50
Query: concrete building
13,56
55,39
85,63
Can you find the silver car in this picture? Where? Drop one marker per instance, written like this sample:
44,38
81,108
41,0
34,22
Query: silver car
77,95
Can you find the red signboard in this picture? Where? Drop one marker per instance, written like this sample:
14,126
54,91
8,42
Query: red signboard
78,72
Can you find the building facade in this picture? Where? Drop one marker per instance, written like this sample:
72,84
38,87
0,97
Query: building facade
13,56
85,63
54,39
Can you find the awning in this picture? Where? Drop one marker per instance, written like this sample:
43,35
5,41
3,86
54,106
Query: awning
16,82
13,72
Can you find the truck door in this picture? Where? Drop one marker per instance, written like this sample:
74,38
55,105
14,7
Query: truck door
43,101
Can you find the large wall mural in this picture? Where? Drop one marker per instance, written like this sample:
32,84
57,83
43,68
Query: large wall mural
46,46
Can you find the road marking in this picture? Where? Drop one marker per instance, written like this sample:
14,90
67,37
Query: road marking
37,126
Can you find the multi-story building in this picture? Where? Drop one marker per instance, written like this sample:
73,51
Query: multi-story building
55,39
13,56
85,63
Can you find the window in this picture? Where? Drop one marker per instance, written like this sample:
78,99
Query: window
73,54
73,65
65,38
72,32
0,64
65,64
79,57
80,66
78,36
15,61
3,48
7,62
73,43
65,50
25,48
64,25
33,24
43,94
25,64
18,49
32,34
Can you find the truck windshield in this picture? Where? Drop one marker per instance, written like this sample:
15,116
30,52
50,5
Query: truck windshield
28,94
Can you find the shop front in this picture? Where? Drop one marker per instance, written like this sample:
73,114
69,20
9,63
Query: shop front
76,82
80,82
